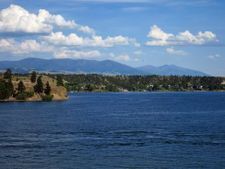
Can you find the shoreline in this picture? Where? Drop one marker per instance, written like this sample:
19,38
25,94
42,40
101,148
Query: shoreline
74,92
53,100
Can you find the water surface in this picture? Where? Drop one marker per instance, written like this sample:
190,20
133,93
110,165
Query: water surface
115,131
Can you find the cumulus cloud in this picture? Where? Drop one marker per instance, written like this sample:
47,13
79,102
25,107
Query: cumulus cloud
199,39
32,46
160,38
173,51
58,38
66,53
24,47
17,19
157,33
86,29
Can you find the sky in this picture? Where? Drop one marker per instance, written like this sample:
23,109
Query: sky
185,33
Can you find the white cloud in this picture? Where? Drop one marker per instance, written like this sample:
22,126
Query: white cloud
17,19
199,39
24,47
160,38
86,29
123,57
45,17
160,43
215,56
66,53
58,38
157,33
173,51
32,46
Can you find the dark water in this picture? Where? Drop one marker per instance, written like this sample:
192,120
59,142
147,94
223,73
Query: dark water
115,131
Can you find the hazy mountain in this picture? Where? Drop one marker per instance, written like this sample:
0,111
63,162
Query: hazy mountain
69,66
92,66
170,70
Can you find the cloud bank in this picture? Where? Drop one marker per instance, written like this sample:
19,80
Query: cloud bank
160,38
43,24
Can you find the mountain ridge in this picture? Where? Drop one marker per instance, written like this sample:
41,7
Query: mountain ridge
92,66
171,70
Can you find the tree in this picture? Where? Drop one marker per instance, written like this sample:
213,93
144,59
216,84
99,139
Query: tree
47,89
10,88
89,87
3,90
6,85
8,74
38,88
21,88
6,89
59,81
33,77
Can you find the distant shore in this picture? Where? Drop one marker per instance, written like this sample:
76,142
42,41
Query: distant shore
151,83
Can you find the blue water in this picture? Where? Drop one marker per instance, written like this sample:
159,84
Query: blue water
115,131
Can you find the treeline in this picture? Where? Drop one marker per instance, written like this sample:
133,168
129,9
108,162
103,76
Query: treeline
94,82
15,88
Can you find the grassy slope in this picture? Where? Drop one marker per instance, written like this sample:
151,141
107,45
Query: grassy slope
59,92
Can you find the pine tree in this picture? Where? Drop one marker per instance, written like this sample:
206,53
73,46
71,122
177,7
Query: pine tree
3,90
38,88
59,81
47,89
7,84
6,89
21,88
33,77
8,74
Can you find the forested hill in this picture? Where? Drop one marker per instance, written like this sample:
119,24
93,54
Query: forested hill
143,83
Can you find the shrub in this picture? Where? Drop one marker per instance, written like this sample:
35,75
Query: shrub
47,98
21,96
24,95
29,94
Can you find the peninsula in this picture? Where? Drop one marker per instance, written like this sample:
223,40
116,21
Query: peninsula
31,87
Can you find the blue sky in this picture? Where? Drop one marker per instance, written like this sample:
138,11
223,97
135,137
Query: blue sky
135,32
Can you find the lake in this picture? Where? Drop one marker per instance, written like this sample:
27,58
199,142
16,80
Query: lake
115,131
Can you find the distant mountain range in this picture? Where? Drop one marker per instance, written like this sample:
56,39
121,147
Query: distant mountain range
92,66
170,70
